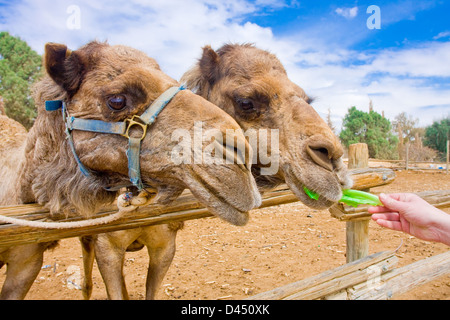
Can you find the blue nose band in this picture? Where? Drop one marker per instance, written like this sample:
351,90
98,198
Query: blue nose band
121,128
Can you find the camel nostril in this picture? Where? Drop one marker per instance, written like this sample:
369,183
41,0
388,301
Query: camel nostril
321,156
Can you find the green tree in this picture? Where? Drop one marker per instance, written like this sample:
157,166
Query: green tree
437,134
371,128
20,67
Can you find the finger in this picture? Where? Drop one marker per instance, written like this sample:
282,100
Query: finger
393,225
391,216
378,209
403,197
395,196
391,202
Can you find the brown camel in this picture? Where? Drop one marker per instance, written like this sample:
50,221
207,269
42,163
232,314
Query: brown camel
12,135
252,86
111,84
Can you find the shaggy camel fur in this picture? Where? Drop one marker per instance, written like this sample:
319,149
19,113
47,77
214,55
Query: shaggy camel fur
12,135
112,83
252,86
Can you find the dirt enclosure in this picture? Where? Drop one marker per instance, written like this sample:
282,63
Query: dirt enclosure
280,245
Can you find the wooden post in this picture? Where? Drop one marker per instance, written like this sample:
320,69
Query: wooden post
357,232
358,156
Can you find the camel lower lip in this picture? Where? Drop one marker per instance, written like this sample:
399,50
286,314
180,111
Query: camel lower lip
319,196
228,212
234,212
224,203
296,185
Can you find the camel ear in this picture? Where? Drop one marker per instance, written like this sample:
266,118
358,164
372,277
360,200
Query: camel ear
65,67
209,64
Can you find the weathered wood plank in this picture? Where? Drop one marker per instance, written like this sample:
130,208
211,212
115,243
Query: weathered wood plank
185,207
332,281
366,178
371,278
403,279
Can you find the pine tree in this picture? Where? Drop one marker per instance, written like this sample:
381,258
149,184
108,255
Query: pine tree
20,67
371,128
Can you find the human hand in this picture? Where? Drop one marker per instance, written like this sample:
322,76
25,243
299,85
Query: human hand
409,213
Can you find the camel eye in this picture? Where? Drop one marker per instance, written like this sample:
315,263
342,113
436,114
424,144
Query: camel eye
117,102
246,105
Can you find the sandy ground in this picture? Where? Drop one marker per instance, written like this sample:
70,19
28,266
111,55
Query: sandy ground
280,245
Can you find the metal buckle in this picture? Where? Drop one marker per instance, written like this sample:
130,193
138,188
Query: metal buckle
135,120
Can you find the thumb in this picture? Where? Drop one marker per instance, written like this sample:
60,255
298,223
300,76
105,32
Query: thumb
391,203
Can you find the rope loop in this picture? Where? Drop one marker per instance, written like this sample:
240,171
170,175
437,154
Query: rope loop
126,203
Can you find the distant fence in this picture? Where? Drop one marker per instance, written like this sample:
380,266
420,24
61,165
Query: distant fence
408,164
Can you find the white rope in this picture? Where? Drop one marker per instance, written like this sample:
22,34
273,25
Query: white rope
125,203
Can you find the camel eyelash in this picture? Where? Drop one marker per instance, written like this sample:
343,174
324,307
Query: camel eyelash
135,93
256,97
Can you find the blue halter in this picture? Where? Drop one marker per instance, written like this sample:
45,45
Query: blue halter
121,128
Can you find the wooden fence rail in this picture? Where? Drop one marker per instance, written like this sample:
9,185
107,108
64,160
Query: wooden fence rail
184,208
373,277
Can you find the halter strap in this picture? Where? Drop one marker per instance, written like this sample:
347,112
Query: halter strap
120,128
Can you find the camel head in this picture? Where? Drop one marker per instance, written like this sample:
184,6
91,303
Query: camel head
112,84
252,86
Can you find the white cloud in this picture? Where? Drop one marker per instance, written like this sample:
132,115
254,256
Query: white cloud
429,60
173,33
413,80
170,31
348,13
443,34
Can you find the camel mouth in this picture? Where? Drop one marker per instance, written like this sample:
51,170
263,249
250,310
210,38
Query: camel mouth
230,200
235,213
224,209
323,199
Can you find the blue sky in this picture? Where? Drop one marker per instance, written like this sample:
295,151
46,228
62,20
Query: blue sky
412,20
325,46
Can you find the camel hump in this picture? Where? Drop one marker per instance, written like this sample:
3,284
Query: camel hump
12,134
